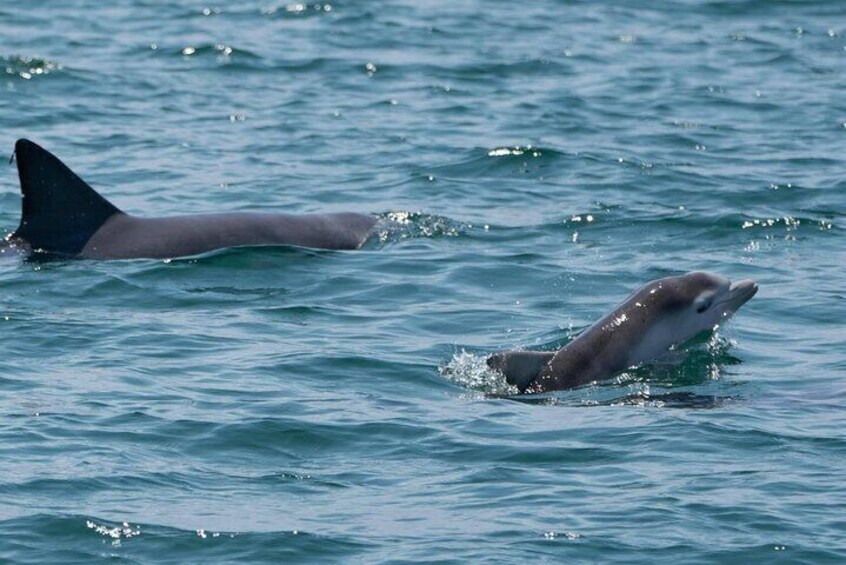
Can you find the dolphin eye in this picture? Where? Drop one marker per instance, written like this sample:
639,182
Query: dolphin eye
703,303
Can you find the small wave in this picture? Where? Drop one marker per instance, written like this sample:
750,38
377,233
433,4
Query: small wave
501,160
115,532
296,10
491,71
787,224
28,68
584,226
259,293
14,384
221,54
71,535
216,49
233,59
399,225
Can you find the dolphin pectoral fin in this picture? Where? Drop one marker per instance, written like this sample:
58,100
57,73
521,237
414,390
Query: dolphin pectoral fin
60,210
520,367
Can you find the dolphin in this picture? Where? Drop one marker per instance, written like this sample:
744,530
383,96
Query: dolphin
63,215
662,314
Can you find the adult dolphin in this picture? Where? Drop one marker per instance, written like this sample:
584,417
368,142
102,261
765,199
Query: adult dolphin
63,215
664,313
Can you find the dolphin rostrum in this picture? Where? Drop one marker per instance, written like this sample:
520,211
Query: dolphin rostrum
664,313
63,215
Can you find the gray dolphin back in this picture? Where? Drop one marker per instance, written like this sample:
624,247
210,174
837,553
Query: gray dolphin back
60,211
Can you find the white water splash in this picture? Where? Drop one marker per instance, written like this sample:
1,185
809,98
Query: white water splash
470,371
117,533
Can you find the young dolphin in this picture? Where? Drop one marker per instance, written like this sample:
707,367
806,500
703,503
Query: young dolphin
63,215
664,313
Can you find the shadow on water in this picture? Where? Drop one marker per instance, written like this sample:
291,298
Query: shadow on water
681,399
232,257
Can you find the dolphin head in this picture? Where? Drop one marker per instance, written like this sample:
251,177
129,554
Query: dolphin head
700,301
671,311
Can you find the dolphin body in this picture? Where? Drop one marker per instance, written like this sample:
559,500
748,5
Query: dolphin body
664,313
63,215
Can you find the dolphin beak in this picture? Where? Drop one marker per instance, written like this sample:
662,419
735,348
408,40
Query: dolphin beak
740,292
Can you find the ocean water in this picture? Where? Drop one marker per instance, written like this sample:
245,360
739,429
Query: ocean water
539,161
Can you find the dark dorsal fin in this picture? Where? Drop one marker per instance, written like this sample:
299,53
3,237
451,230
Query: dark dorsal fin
60,211
520,368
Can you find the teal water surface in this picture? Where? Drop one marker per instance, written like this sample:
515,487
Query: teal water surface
537,162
